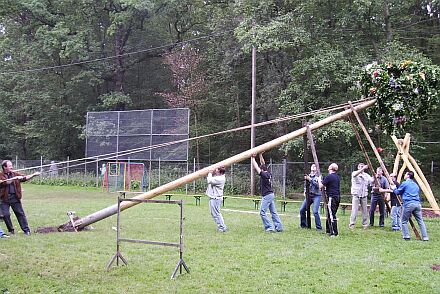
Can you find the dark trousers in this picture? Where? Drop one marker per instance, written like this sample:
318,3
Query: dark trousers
332,222
377,200
16,206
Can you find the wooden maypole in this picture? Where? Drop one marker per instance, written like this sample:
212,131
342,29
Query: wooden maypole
111,210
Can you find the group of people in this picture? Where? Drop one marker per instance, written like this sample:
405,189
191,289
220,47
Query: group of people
216,182
11,195
404,199
407,193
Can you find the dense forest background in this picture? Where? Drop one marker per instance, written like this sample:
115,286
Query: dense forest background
61,59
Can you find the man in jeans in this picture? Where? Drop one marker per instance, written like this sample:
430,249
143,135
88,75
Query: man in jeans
396,208
268,197
359,191
377,198
411,205
315,197
216,183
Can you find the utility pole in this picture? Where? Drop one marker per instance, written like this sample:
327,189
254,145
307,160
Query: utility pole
254,91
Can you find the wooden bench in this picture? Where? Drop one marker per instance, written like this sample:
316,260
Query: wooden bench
285,201
255,200
197,197
123,194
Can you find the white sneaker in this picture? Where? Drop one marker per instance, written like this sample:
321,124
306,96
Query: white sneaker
4,236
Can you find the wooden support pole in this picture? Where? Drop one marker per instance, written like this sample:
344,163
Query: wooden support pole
364,151
382,165
370,165
111,210
426,190
406,142
306,182
318,173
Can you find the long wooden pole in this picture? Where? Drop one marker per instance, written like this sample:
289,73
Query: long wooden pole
253,99
111,210
328,222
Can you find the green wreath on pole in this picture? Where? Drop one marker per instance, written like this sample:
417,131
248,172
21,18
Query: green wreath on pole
406,92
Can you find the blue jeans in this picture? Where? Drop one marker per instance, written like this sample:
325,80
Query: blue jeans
302,211
214,208
268,201
396,220
413,208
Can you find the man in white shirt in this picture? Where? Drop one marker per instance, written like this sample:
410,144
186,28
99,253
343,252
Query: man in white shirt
216,184
359,192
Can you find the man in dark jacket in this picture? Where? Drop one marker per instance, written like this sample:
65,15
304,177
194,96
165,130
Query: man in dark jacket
11,194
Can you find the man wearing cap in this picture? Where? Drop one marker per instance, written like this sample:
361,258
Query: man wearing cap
216,184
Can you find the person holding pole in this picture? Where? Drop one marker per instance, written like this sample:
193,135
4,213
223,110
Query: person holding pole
11,194
315,195
411,205
396,208
268,197
216,182
359,192
332,183
377,198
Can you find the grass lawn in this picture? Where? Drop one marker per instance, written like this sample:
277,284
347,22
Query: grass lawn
244,260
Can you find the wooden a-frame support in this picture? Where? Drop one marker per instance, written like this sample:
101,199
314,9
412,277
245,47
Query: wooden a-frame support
409,163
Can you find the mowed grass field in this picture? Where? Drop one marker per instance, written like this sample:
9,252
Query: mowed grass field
244,260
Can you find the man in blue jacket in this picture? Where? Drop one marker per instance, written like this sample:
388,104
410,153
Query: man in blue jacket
411,205
315,195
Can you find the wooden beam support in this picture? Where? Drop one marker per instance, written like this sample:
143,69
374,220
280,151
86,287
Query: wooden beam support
425,189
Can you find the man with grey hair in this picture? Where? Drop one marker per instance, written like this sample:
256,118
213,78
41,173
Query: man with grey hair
216,184
359,192
332,184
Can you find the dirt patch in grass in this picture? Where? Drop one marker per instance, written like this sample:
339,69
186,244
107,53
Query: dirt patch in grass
67,227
